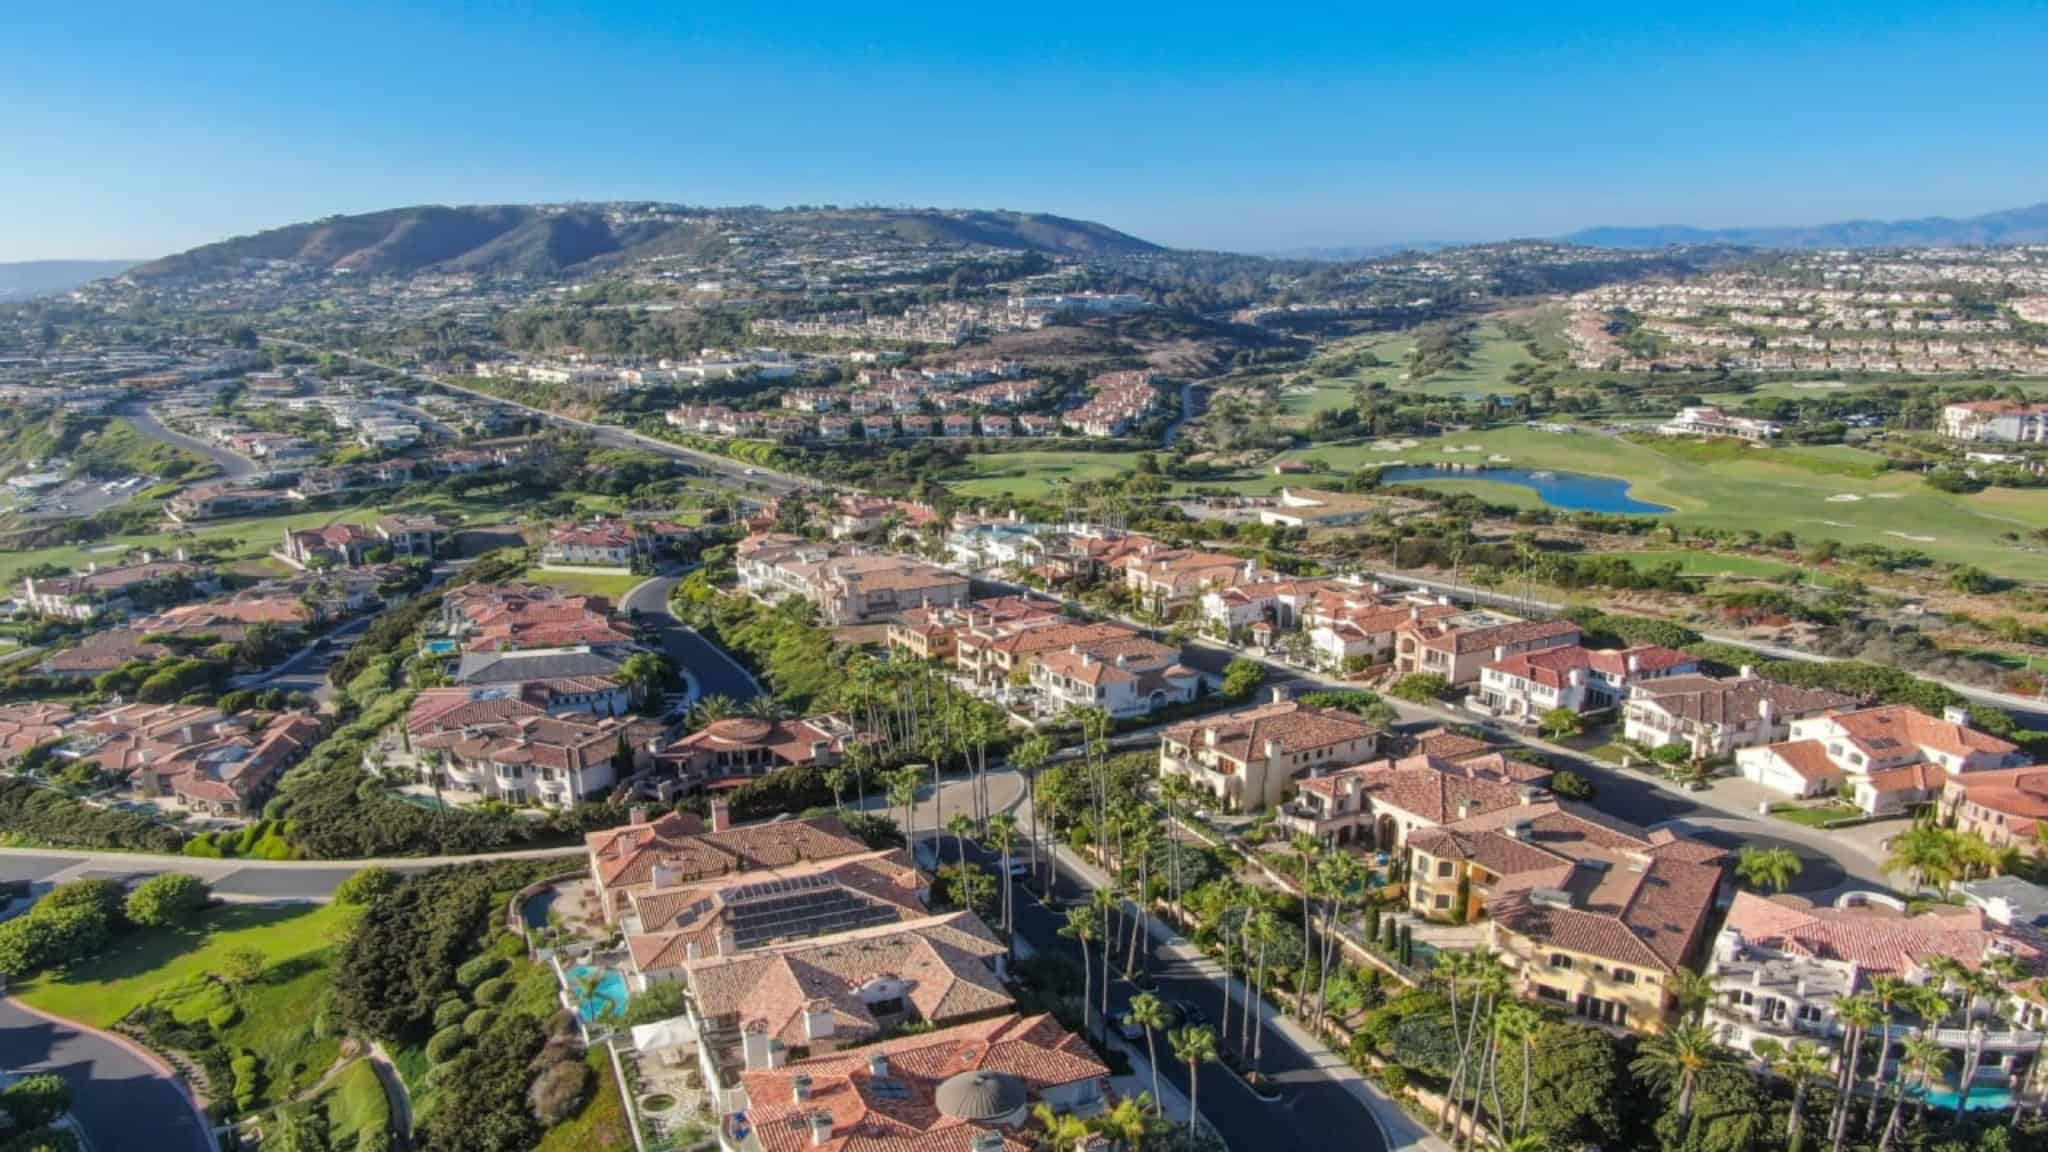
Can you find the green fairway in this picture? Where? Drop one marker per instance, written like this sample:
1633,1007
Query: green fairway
140,964
1814,493
1713,563
1485,371
1035,475
586,583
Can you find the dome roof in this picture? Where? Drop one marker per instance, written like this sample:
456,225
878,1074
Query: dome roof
738,729
984,1096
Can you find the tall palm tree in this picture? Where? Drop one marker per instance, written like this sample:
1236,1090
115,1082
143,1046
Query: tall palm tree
903,784
1858,1014
1002,832
1925,1060
837,777
1677,1057
1982,987
1307,850
1802,1062
1195,1047
1890,992
1028,757
1149,1012
711,709
1080,927
1103,901
960,826
1522,1023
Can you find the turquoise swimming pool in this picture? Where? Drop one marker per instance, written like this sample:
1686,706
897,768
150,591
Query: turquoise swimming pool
1982,1099
608,998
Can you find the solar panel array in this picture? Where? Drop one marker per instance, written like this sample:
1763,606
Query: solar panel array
798,907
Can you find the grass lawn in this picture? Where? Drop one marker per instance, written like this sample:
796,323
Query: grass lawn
1713,563
1485,371
1818,815
1801,490
586,583
142,964
356,1103
600,1125
1034,475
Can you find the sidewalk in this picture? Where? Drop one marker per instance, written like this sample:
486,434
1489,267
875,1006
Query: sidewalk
1400,1132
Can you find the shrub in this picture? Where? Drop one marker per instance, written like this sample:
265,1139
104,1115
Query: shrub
493,991
558,1091
450,1011
366,885
1571,786
223,1017
475,1023
475,972
34,1101
172,900
443,1045
1420,688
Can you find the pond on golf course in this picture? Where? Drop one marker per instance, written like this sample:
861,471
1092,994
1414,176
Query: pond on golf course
1570,491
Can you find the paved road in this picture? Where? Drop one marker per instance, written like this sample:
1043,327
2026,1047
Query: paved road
145,421
715,672
1314,1113
732,471
121,1101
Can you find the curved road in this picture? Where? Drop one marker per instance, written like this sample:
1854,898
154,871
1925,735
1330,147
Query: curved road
120,1099
232,466
715,672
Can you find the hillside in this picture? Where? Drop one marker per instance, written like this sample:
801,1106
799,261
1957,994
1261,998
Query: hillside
2014,226
30,278
547,240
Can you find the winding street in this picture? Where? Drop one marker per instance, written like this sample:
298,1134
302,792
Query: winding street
120,1097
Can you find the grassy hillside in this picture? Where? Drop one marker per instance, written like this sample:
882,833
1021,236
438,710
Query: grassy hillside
535,240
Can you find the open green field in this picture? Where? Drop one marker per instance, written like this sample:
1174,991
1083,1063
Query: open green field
249,538
1713,563
1035,475
1485,371
1796,389
140,964
586,583
1813,493
356,1103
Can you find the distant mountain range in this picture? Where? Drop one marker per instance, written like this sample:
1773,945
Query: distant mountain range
2014,226
546,240
31,278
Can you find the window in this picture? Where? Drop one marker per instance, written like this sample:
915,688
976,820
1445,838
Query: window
1442,901
1560,961
1624,976
1545,992
1443,869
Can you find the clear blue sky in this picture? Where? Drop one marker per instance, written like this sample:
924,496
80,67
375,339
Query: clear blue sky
137,129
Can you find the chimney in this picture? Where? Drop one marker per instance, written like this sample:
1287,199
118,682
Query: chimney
821,1128
878,1066
721,816
727,943
1956,714
1746,672
637,815
1273,749
1415,611
818,1021
761,1050
693,951
1765,710
1465,809
1278,694
1500,653
800,1088
92,566
1635,663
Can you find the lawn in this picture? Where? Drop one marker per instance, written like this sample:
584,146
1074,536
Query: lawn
1801,492
356,1103
601,1125
1818,816
1034,474
1713,563
139,965
1485,371
586,583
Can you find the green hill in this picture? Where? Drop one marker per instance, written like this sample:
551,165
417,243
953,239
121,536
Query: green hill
548,240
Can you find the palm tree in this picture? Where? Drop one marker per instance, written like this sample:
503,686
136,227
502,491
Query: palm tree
960,825
1890,992
1080,927
1195,1047
1693,991
1925,1060
1772,868
1028,757
766,707
1802,1063
1522,1022
837,777
1859,1014
1002,831
1982,987
1102,901
1928,853
1678,1057
903,784
711,709
1062,1129
1307,850
1149,1012
1129,1122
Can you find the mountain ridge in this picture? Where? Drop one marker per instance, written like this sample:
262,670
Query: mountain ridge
2028,225
546,240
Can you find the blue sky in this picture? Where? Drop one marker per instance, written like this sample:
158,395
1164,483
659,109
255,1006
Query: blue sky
133,130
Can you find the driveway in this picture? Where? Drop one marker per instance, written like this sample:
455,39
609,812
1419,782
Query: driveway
121,1100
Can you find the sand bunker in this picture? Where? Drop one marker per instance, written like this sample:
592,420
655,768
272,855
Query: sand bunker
1810,385
1497,458
1844,498
1910,536
1885,496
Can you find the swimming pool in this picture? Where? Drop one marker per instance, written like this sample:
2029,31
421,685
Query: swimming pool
1982,1099
609,997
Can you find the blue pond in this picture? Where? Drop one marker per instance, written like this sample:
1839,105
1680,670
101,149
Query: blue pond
1571,491
610,997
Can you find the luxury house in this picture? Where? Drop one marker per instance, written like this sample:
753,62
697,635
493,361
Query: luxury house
1380,803
625,860
1891,758
1714,718
737,748
1456,647
1249,760
510,750
1523,687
